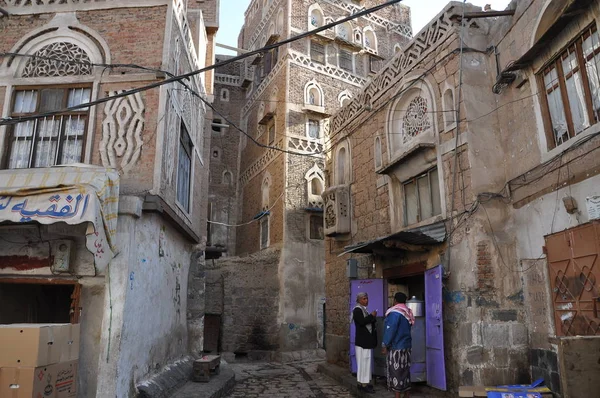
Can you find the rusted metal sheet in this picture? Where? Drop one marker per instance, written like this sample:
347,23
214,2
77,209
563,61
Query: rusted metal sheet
24,263
574,268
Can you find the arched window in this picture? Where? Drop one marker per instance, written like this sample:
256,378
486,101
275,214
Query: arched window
397,48
370,39
279,24
410,117
344,98
313,94
344,31
227,178
261,111
315,181
265,187
449,109
358,36
342,165
378,153
272,106
224,95
316,18
58,51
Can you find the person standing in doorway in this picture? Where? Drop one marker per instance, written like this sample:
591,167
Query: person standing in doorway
365,341
397,344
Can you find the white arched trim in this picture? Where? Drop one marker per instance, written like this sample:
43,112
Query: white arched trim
62,28
370,39
410,119
344,98
313,94
342,164
316,17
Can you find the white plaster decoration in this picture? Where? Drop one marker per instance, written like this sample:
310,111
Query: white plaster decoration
305,145
19,7
404,30
259,165
313,94
180,11
122,142
449,107
416,119
266,18
74,61
264,84
329,70
265,188
370,39
228,80
344,98
316,18
314,199
394,71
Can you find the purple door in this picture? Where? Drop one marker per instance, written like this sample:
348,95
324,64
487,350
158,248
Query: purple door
434,329
377,291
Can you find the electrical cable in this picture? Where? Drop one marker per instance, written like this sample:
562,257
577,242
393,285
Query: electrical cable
10,120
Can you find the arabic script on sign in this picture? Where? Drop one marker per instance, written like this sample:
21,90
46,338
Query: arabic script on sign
56,206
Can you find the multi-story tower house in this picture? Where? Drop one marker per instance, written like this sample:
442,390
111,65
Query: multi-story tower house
271,295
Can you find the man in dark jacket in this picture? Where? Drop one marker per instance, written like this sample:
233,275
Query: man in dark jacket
365,341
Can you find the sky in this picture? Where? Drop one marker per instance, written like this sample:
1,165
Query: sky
422,11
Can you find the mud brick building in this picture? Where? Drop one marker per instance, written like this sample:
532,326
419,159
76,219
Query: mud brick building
465,173
267,291
124,255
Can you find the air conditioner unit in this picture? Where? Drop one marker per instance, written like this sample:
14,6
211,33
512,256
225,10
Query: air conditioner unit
337,210
60,252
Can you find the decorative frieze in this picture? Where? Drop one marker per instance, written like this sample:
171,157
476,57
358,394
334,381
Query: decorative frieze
395,70
329,70
304,145
58,59
122,142
228,80
259,165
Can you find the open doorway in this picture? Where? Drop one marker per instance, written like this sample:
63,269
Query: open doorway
48,302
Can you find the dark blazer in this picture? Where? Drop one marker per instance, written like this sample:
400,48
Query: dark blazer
364,338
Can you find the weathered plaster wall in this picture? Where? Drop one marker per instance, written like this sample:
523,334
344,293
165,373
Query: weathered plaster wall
147,325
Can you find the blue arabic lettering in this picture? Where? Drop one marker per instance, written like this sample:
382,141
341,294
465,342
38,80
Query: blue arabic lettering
67,211
5,205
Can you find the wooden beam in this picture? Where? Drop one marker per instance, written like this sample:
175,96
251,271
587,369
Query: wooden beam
40,280
404,271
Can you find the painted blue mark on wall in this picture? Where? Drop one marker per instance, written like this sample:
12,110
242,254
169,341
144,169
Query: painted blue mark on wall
453,297
131,279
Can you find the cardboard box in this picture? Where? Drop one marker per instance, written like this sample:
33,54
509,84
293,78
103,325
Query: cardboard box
35,345
53,381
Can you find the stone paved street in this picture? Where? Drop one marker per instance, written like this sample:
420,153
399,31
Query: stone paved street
277,380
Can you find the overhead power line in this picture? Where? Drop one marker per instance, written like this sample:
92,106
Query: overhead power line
15,120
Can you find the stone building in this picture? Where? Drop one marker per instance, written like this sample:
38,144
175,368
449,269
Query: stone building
102,207
267,292
465,173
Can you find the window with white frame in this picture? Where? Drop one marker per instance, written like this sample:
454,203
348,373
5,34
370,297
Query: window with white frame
378,153
224,95
572,89
227,178
370,39
344,31
342,165
317,52
316,19
314,128
184,168
313,94
449,109
345,60
422,197
52,140
264,219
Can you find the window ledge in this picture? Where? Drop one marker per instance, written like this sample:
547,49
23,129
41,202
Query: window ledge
315,109
266,118
418,147
554,152
429,221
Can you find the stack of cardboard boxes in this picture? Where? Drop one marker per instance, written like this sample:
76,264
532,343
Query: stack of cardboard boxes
39,360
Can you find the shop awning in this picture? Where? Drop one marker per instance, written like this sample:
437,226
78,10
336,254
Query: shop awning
73,194
414,239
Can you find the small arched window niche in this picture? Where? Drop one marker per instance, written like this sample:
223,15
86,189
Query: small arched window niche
410,122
